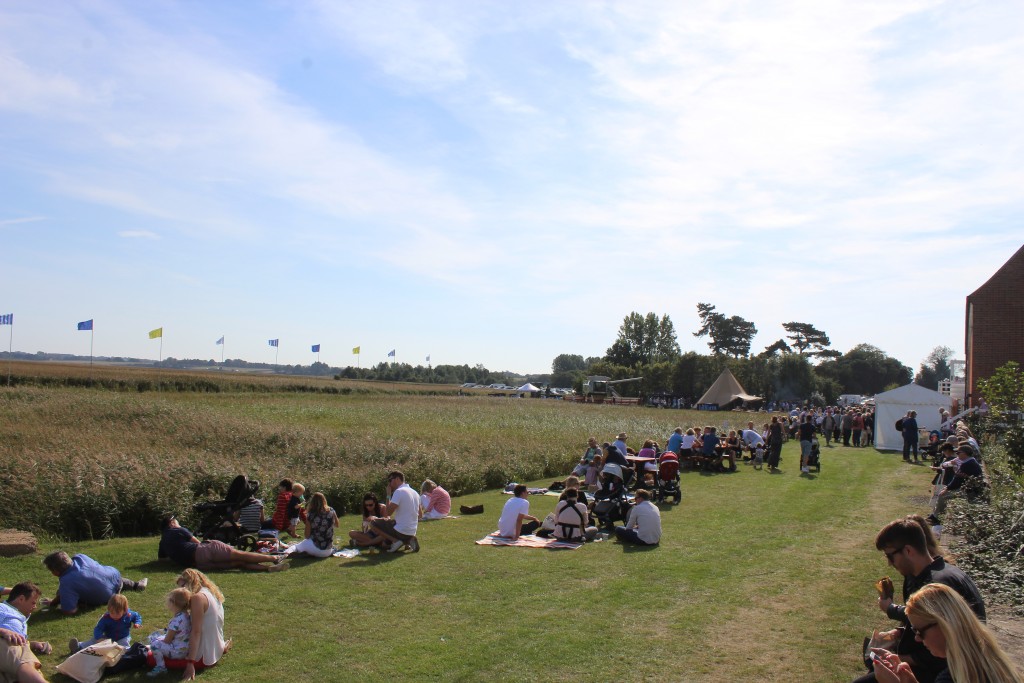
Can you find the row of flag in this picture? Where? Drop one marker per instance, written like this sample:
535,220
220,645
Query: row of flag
158,333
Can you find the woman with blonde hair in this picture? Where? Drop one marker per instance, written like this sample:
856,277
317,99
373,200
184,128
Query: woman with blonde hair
945,624
321,520
206,643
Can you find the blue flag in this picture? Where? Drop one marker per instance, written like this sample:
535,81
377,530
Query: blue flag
7,319
428,359
273,342
85,325
316,348
220,342
391,354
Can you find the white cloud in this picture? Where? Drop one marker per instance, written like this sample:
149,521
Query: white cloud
20,221
138,234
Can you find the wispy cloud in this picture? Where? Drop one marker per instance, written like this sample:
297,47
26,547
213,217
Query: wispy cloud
18,221
138,234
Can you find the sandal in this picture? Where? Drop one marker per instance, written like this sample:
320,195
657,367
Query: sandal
42,648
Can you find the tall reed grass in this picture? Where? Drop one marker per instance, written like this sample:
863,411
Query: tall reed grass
87,463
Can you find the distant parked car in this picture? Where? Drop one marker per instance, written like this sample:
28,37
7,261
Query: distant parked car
469,385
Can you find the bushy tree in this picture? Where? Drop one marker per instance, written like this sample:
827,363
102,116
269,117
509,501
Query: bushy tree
935,367
865,369
728,335
566,368
644,339
806,338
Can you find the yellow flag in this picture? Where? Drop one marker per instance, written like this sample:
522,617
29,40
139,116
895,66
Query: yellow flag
355,350
157,333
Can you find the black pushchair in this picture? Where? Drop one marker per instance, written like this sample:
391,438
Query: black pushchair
814,459
218,516
610,504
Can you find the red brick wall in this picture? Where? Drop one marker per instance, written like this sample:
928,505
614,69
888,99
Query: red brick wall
996,333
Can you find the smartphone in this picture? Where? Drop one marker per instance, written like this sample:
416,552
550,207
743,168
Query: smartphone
872,656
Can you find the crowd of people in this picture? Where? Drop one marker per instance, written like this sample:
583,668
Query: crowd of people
193,639
940,633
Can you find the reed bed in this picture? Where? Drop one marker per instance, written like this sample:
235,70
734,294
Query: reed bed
91,463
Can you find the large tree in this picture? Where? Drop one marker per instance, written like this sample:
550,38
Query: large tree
935,367
728,335
644,339
806,338
865,369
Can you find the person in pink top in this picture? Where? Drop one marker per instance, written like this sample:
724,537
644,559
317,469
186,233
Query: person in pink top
435,501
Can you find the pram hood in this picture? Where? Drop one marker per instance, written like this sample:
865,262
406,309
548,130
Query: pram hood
612,469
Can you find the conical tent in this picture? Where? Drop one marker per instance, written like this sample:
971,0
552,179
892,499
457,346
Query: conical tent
725,390
528,387
893,405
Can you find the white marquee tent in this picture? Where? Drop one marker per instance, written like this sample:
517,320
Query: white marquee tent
893,405
528,388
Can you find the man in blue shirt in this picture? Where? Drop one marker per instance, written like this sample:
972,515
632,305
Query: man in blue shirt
83,580
675,441
17,654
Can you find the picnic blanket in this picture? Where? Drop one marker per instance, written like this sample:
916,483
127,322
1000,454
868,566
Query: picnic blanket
529,541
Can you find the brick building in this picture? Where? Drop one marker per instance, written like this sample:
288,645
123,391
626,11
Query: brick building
995,324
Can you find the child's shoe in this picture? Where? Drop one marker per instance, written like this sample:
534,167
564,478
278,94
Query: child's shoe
157,671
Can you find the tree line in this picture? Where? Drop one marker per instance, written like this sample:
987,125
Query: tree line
800,366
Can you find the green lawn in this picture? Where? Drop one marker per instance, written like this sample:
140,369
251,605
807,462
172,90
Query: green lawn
759,577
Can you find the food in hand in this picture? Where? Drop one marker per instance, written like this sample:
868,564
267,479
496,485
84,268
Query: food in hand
884,587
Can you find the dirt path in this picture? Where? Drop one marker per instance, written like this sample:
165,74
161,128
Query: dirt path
1009,631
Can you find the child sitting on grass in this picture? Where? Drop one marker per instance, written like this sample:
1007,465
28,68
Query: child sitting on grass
172,641
295,508
116,624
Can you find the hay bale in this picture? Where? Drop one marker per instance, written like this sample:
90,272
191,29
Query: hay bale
14,542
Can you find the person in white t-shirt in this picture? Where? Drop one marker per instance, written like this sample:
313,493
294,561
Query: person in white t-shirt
644,524
515,512
404,510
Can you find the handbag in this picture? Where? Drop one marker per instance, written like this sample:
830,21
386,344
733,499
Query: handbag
88,664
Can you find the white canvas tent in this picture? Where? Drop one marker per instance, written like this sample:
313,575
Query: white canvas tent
725,390
528,388
893,405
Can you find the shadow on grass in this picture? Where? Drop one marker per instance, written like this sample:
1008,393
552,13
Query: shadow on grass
54,614
370,560
808,475
630,548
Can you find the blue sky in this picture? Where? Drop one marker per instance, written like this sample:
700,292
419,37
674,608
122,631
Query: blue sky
499,183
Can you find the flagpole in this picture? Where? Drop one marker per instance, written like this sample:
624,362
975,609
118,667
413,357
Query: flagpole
10,350
222,351
160,354
92,335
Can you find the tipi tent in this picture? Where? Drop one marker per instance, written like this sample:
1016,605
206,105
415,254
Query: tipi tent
893,405
725,390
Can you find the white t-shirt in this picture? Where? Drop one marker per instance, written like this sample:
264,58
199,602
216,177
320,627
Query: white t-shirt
646,519
687,442
510,514
407,516
751,438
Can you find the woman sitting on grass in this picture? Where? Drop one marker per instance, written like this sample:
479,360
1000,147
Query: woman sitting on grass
321,521
945,624
206,643
372,508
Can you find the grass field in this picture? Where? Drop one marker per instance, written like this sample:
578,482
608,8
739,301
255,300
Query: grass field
759,576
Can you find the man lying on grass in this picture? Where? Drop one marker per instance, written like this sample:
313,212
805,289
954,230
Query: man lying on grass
82,580
179,545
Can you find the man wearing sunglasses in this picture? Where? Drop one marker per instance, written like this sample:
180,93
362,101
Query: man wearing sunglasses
905,546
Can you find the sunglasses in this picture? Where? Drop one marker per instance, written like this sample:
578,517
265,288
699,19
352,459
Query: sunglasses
894,553
919,633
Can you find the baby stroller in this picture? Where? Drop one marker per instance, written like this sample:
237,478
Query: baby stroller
814,459
610,501
218,516
668,479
